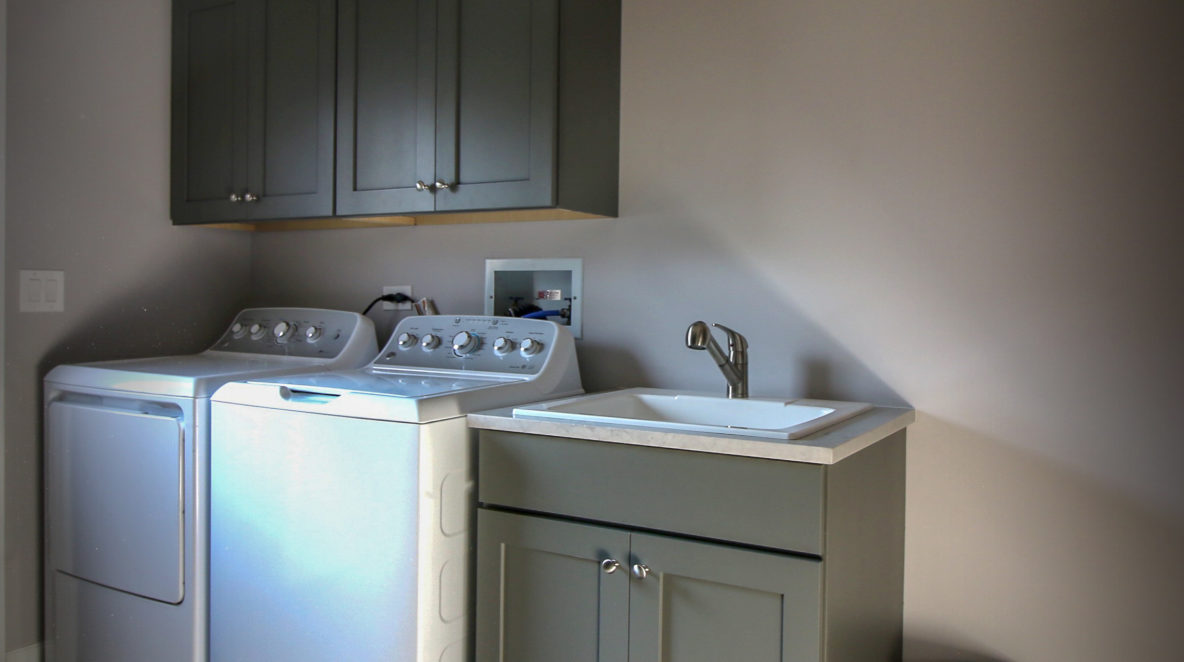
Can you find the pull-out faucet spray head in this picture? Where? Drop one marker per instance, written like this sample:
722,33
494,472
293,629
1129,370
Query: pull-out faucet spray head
698,335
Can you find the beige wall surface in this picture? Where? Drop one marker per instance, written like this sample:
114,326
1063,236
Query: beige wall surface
88,98
971,207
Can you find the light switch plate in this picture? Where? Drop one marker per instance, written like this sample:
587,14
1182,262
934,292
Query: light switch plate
42,291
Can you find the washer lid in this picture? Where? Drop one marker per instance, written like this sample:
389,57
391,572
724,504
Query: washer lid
386,383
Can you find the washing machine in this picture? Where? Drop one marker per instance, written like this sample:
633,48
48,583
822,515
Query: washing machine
342,503
126,480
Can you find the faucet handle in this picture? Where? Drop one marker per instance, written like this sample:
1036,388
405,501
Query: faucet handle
736,341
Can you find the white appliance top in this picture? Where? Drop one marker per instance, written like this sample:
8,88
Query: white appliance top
433,367
259,342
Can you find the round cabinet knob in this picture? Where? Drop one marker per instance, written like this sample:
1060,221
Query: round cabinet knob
503,346
423,187
250,197
234,197
430,341
312,333
465,343
442,185
407,340
257,331
641,570
282,330
609,566
530,347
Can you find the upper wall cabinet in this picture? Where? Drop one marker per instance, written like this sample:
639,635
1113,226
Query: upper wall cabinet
253,97
468,105
446,110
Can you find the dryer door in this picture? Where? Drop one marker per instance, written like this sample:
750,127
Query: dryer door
115,497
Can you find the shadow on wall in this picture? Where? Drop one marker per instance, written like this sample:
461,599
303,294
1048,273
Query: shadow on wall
1037,560
922,649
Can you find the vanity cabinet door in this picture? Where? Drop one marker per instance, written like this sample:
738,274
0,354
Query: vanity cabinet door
543,595
699,602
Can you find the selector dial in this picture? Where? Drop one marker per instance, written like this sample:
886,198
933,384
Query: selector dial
430,341
237,329
465,343
257,331
503,346
282,330
530,347
407,340
312,333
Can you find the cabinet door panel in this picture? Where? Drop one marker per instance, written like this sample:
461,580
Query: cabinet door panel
705,602
291,108
541,594
386,105
497,104
209,141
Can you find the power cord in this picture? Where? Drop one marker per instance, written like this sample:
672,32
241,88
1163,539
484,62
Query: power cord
397,297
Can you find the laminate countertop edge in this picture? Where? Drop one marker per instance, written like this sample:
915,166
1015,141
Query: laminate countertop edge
827,446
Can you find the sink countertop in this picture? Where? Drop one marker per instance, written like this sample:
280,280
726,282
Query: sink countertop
827,446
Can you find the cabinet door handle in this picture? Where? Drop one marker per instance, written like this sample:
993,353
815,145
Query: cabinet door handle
442,185
609,566
234,197
423,187
250,197
641,570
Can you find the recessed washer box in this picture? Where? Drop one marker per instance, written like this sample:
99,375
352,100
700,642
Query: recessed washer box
550,284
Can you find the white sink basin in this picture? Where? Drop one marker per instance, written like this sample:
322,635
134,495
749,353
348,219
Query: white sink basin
697,412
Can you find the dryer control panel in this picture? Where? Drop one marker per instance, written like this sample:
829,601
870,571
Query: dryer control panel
473,343
303,332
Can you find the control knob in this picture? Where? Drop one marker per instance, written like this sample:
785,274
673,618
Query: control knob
430,341
407,340
465,343
530,347
282,330
237,329
503,346
257,331
312,333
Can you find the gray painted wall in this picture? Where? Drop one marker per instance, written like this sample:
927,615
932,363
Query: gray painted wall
972,207
88,96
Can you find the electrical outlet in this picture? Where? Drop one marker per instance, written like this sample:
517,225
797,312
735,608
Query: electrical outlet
395,289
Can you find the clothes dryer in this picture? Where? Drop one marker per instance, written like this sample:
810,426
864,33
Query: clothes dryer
126,475
342,502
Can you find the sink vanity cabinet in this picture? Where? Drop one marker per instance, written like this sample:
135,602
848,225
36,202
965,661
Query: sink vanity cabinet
606,551
396,111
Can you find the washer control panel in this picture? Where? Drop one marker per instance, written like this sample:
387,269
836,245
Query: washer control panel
480,343
304,332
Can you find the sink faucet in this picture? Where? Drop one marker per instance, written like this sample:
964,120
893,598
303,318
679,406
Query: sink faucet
734,365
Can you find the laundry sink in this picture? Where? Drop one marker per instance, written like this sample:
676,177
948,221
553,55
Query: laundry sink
678,411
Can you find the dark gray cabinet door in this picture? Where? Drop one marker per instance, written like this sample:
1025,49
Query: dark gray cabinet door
291,50
252,134
386,106
209,106
497,104
701,602
542,594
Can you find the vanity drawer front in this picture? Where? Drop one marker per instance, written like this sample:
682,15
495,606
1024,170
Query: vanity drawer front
769,503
